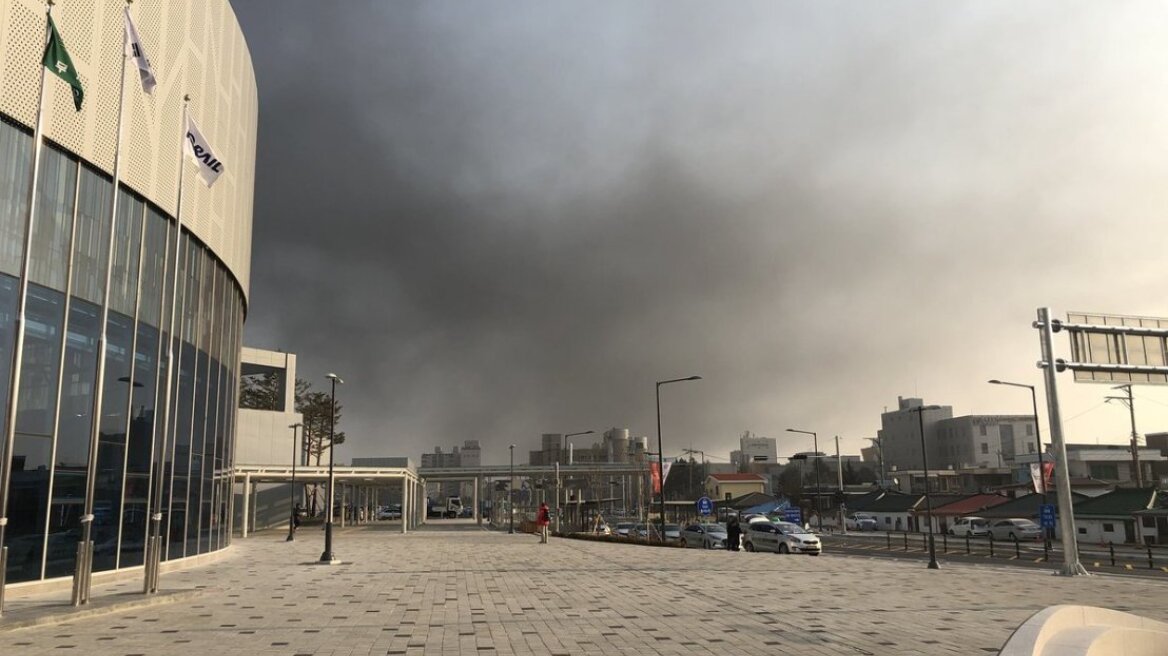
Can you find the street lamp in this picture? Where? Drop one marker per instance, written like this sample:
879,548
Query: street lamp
818,487
660,451
327,555
567,435
511,492
920,410
1037,433
292,492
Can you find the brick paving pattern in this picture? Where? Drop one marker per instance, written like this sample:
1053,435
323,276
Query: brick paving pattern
451,588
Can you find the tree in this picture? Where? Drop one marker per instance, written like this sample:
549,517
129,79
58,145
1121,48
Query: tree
316,409
261,392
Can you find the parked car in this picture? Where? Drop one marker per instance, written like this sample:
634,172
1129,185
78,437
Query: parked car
970,526
623,528
672,532
781,537
389,513
1016,527
639,531
861,521
704,536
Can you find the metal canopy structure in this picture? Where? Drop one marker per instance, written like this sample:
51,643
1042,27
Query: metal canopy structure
530,471
413,511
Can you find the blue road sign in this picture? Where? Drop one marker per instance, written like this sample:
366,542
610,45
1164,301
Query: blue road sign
793,515
705,506
1046,515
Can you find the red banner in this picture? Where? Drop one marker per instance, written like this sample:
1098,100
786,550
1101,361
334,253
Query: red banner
655,474
1042,481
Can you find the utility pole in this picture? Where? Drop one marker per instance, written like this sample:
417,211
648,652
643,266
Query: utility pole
1137,475
691,452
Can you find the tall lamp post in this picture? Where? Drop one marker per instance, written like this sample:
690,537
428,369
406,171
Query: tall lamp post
818,487
1037,435
511,492
559,494
660,451
292,492
327,555
928,499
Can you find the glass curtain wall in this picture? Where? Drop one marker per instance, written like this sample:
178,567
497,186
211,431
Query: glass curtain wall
73,244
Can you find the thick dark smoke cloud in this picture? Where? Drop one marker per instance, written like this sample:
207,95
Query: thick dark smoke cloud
501,219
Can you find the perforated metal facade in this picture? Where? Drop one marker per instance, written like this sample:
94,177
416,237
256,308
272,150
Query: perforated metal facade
196,48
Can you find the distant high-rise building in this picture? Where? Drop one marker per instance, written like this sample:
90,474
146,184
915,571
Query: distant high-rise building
753,449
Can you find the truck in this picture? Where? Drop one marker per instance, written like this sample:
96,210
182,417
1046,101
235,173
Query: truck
447,508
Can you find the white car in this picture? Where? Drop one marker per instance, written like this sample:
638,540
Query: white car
1015,529
969,526
704,536
781,537
861,521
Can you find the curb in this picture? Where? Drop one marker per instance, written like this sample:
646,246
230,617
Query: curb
60,614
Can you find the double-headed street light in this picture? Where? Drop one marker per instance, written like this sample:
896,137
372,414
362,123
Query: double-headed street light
511,492
327,555
920,410
292,492
660,451
818,487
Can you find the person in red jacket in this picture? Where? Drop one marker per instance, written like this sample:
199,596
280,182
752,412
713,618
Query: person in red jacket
542,519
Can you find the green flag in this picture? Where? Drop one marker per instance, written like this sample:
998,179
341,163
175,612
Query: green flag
58,62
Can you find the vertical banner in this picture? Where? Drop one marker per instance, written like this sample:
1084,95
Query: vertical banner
1040,475
665,473
655,475
1036,477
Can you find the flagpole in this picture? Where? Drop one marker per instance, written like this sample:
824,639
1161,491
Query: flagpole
22,304
84,568
150,585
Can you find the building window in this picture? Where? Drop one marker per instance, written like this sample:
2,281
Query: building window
1082,531
1108,527
1029,429
982,429
1029,448
985,448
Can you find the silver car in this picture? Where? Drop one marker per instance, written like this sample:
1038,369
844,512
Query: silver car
1015,528
704,536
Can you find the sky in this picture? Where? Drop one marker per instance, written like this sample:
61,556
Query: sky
500,219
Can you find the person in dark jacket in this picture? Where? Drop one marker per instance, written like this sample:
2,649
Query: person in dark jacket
733,534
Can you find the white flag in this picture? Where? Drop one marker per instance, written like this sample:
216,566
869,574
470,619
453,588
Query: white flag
201,154
135,51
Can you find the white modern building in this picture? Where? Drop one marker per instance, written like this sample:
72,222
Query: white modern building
753,449
165,438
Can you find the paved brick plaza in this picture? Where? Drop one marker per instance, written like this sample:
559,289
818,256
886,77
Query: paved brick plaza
454,589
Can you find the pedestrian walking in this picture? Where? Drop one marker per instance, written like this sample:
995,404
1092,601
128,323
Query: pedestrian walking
542,519
733,533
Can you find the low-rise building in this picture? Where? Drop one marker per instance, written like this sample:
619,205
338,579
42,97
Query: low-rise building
730,486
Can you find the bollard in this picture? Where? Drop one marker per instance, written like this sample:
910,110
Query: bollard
889,538
924,542
906,540
1111,550
1151,565
1045,549
1017,549
967,551
945,543
991,545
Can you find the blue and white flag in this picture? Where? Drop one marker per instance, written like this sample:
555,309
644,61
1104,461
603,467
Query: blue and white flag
202,155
